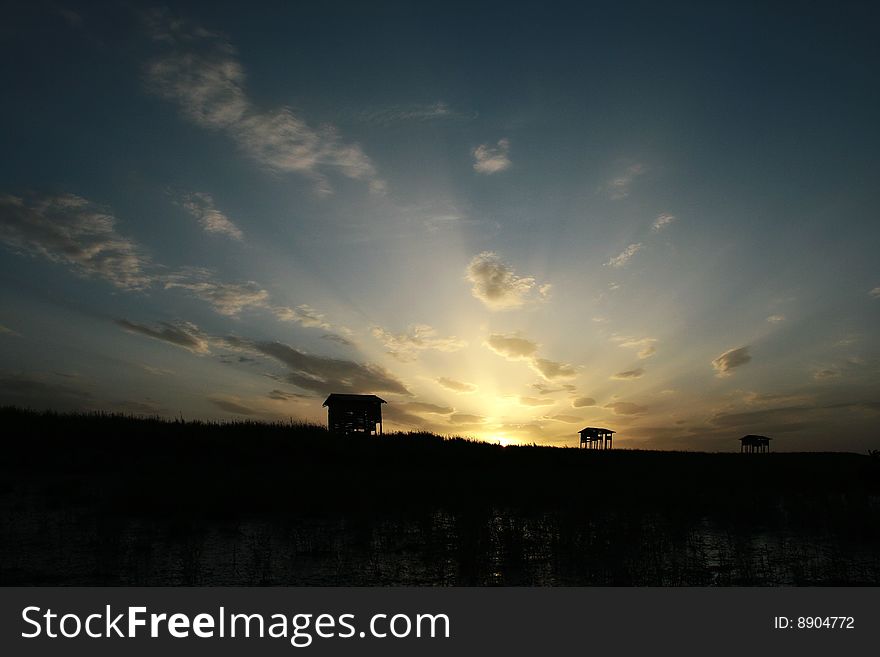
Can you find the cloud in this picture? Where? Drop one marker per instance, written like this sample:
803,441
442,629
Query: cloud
625,256
489,160
418,113
581,402
232,406
571,419
644,345
405,346
731,359
625,408
226,298
333,337
498,286
304,315
201,206
545,389
200,73
775,319
536,401
662,221
620,187
456,386
874,293
514,347
629,374
825,374
425,407
21,387
5,330
465,418
180,334
325,375
72,231
551,369
282,395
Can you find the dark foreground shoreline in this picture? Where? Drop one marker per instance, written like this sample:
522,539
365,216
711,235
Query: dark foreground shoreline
111,500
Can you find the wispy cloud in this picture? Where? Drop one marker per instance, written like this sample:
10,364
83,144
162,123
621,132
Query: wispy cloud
304,315
201,206
492,159
775,319
415,112
181,334
406,346
201,73
644,345
625,256
626,408
536,401
582,402
731,359
226,298
826,374
662,221
875,293
456,386
72,231
497,285
515,347
620,187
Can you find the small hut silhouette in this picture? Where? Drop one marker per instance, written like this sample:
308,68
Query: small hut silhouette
752,443
596,438
351,414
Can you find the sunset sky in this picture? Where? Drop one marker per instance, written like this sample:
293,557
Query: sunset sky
508,221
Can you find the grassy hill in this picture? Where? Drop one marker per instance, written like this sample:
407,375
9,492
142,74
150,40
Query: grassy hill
107,499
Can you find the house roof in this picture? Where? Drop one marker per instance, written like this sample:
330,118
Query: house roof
337,397
595,430
752,436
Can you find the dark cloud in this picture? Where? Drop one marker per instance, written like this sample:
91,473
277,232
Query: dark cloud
333,337
33,392
581,402
181,334
731,359
326,375
281,395
629,374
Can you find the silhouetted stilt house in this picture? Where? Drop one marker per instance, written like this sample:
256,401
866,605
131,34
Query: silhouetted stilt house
752,443
350,414
596,438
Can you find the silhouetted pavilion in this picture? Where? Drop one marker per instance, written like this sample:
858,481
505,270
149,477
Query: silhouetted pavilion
752,443
350,414
596,438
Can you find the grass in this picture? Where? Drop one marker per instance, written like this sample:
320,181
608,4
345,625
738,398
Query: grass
109,499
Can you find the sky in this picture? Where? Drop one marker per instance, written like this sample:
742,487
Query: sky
510,221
